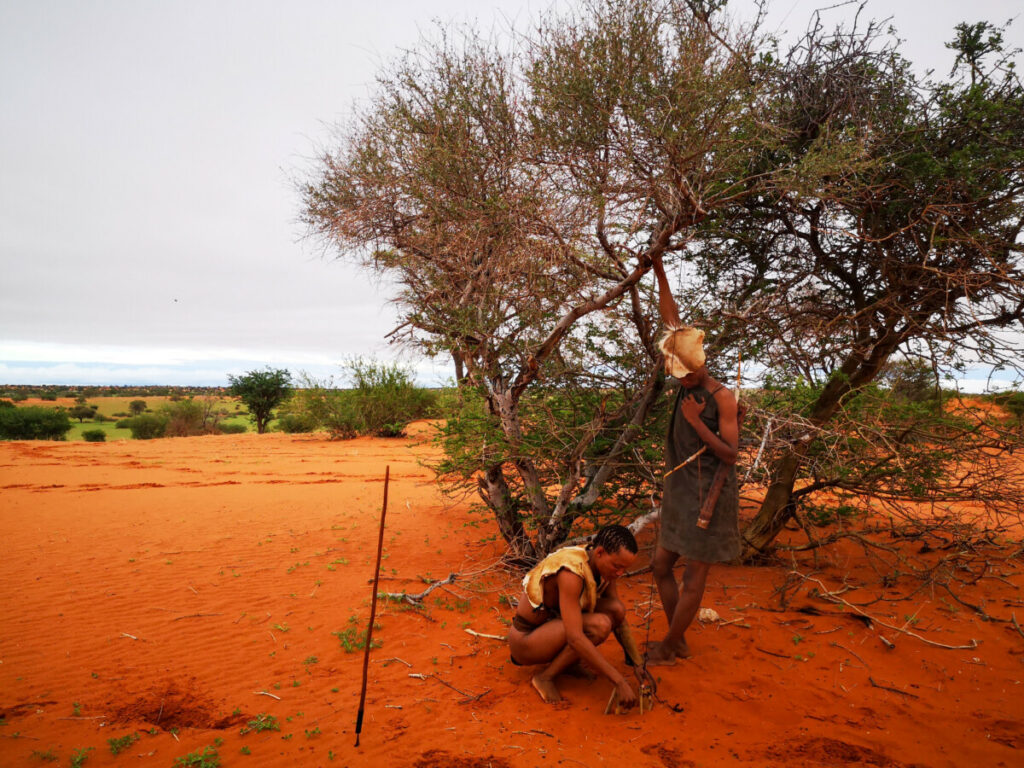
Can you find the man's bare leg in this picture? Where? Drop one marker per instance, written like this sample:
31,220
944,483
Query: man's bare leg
691,593
668,590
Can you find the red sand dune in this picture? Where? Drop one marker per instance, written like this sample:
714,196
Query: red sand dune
162,588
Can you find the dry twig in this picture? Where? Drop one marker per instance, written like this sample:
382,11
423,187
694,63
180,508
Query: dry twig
834,598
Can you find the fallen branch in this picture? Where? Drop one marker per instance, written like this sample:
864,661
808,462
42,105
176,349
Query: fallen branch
854,653
892,688
1015,624
832,597
264,693
469,696
503,638
418,598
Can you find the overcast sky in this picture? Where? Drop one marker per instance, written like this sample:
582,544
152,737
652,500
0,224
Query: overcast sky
148,221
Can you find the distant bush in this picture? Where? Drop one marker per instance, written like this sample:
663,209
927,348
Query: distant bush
325,407
192,416
33,423
19,397
386,397
137,407
94,436
232,429
99,417
48,396
123,424
6,404
293,423
146,426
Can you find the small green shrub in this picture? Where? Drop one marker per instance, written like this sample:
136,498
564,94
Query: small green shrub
33,423
123,424
147,426
352,639
119,745
6,404
94,436
187,417
262,722
296,423
387,398
208,758
232,429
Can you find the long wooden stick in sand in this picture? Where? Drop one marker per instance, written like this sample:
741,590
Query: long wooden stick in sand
373,606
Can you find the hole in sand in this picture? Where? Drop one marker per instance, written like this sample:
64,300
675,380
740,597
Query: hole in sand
172,706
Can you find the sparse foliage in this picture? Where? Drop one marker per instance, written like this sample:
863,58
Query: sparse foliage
517,197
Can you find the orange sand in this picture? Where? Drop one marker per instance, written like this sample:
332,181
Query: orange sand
157,587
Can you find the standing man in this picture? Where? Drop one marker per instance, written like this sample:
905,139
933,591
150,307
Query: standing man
569,606
704,416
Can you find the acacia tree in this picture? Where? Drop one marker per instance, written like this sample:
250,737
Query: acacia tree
261,391
517,197
909,249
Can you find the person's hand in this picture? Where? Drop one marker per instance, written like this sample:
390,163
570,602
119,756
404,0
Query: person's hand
627,699
691,408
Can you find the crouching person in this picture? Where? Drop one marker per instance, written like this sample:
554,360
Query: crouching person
570,606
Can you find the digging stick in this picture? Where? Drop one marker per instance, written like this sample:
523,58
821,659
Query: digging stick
373,606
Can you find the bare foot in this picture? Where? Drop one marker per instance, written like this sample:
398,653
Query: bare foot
658,655
546,689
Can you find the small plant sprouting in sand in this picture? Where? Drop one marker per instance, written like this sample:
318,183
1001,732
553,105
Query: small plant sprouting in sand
262,722
208,758
76,709
79,756
245,751
281,627
119,745
352,639
313,733
311,660
49,756
462,606
797,639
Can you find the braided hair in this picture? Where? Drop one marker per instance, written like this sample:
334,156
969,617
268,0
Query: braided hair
613,538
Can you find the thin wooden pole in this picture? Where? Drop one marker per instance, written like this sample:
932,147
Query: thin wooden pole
373,606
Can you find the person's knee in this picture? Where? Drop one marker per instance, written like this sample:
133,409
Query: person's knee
615,611
598,627
694,580
662,565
